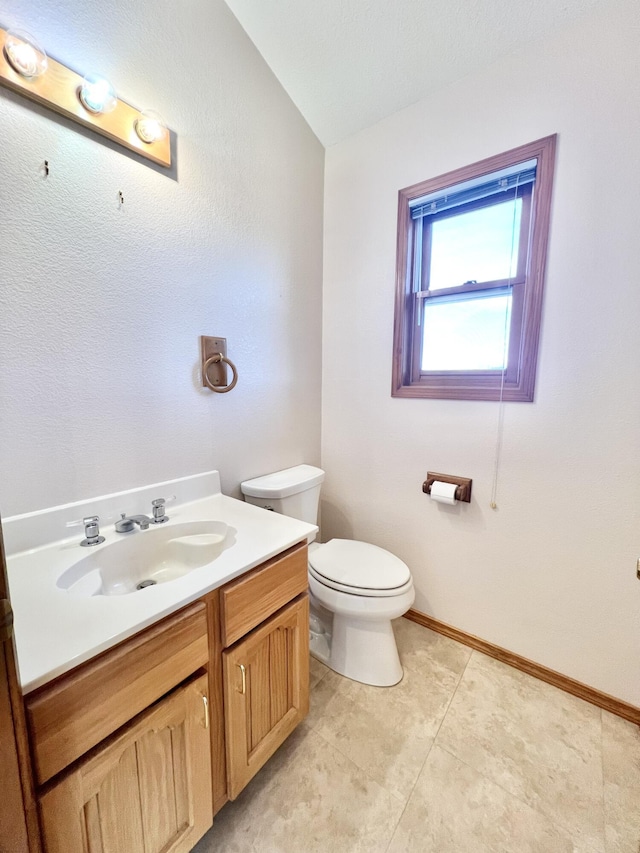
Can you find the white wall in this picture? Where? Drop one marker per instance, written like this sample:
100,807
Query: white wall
101,309
550,574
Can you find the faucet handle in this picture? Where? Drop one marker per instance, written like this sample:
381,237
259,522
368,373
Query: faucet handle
158,505
91,530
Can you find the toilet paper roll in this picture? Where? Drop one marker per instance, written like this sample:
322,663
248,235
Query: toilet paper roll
444,493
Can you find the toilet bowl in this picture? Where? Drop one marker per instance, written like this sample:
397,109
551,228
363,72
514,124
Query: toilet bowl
364,587
356,588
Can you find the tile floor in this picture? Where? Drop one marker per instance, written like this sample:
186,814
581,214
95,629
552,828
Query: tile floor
465,755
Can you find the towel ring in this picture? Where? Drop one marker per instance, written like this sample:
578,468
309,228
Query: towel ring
216,359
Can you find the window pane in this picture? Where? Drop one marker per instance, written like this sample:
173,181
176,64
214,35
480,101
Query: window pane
475,245
468,334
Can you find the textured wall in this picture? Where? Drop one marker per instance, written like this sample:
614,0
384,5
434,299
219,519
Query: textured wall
101,308
551,573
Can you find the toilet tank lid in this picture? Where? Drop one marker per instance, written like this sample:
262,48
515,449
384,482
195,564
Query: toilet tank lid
281,484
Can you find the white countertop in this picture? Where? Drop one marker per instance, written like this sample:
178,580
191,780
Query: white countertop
55,630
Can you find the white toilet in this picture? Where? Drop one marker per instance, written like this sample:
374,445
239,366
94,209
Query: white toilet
356,588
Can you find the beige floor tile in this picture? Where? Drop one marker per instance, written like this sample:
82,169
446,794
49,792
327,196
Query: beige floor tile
454,809
233,830
317,672
308,799
621,763
423,650
387,735
323,693
533,740
388,731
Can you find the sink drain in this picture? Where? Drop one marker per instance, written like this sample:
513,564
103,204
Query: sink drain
144,584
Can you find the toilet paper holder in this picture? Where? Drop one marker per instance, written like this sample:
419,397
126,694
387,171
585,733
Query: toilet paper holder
463,492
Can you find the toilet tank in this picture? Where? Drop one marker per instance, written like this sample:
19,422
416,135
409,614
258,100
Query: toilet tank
294,492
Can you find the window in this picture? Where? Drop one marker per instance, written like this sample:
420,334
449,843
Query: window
470,276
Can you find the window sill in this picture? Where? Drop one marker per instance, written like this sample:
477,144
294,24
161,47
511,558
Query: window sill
466,388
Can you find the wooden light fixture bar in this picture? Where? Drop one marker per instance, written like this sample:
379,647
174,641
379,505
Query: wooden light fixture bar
58,89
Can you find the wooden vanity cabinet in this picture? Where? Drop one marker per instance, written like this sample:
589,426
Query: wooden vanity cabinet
146,790
137,749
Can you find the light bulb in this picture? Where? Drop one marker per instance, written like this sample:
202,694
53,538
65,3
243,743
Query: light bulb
150,126
97,95
24,54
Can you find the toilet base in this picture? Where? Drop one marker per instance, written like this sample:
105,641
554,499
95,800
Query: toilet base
360,646
365,651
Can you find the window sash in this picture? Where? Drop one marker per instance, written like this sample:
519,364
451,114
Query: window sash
421,244
515,331
425,228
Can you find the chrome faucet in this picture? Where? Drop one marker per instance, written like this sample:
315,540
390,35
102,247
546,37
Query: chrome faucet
128,522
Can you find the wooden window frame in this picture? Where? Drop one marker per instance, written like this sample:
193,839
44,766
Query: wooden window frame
527,287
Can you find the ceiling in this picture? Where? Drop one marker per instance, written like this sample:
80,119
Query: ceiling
347,64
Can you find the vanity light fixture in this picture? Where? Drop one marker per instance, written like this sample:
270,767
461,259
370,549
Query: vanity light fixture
97,95
150,126
90,101
24,54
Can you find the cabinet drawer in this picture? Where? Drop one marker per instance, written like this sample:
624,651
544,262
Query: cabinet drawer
252,598
77,711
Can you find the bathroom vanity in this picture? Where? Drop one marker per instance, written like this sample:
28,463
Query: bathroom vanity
137,741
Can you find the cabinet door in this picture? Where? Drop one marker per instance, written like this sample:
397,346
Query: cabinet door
266,688
147,790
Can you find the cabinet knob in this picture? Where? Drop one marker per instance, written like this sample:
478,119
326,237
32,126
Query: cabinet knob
205,702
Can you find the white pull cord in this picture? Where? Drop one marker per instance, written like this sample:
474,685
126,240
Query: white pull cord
500,426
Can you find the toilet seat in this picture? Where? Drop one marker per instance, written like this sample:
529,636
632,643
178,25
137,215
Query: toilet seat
359,568
360,591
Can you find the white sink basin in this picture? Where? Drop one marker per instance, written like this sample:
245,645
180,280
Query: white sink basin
144,558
